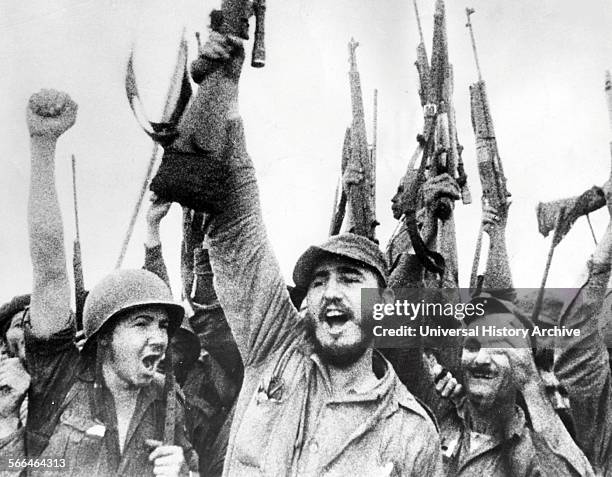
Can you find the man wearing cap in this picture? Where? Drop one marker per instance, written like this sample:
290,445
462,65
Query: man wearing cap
316,399
584,366
495,432
101,412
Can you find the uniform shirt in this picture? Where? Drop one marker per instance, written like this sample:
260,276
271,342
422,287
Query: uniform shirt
209,392
584,369
287,420
63,385
521,452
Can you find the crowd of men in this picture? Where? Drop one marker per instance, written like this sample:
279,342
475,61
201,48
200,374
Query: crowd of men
250,377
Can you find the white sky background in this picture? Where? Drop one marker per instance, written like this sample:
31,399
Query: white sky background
543,61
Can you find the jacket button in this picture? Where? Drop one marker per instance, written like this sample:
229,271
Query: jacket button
314,447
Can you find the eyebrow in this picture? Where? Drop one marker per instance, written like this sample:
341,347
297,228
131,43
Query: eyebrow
349,270
341,270
148,318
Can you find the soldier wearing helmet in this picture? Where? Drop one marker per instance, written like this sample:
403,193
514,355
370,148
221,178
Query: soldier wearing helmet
106,411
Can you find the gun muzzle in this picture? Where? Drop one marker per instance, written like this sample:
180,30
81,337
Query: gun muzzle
258,57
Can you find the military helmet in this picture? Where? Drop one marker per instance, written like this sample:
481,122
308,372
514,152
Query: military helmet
124,290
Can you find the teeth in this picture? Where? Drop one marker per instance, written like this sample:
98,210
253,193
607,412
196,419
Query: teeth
333,313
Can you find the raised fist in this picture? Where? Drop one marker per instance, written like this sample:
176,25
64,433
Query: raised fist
50,113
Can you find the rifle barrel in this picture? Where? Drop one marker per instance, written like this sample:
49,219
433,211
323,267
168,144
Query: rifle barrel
418,18
74,199
468,12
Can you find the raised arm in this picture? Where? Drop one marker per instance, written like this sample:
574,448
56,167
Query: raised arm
248,281
49,114
154,260
583,366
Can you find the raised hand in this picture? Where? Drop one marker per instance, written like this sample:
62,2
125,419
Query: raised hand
50,113
439,186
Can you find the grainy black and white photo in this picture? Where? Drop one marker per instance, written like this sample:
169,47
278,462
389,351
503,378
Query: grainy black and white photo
306,238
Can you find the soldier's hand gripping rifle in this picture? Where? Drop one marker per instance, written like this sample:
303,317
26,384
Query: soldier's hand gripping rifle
360,194
201,127
438,144
353,175
490,170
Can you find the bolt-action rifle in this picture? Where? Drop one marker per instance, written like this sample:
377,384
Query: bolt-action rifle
490,170
438,146
360,196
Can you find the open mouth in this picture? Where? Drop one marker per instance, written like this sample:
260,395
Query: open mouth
151,361
335,319
481,374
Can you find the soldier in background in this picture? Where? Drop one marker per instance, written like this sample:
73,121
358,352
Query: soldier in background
583,368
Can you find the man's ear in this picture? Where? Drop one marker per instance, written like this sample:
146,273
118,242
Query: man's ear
387,295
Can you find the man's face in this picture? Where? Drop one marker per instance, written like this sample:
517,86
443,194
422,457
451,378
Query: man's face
15,338
137,345
396,202
487,368
334,310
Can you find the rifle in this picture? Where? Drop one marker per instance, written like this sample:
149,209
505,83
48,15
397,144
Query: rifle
438,145
339,210
490,170
374,149
360,196
233,19
77,265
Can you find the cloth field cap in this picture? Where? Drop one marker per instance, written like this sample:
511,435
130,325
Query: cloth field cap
494,306
347,245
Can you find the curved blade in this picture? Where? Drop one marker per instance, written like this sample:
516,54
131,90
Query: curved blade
178,98
134,99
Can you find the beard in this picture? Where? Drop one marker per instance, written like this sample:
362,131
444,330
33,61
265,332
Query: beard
339,356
